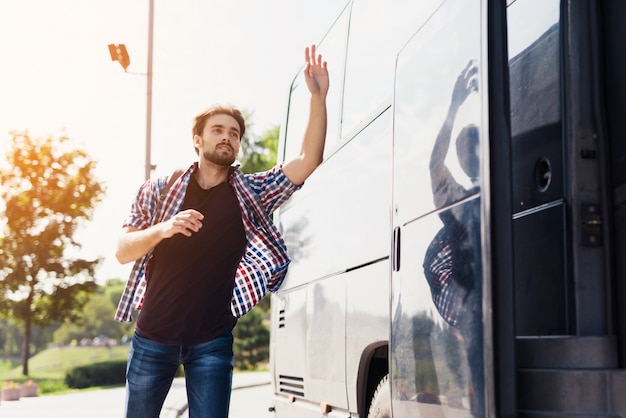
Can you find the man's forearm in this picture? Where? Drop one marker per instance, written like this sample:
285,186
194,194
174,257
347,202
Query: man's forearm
135,243
312,148
315,134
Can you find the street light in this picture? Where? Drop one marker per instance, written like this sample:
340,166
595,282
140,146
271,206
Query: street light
120,54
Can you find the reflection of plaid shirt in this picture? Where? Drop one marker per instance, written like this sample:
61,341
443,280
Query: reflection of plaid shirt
445,274
265,260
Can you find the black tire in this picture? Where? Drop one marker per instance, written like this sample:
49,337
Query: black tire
380,407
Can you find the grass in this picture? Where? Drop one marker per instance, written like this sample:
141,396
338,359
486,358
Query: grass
48,368
53,363
6,365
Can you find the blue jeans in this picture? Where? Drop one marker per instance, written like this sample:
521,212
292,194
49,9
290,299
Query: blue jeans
208,376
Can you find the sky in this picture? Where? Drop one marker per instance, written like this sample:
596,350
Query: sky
57,78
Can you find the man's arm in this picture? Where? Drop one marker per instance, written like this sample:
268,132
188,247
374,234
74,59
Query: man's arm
135,243
312,152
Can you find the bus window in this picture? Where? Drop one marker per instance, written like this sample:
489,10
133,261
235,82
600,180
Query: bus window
372,48
534,64
332,48
537,153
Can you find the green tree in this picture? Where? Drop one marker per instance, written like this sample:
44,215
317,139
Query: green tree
113,290
9,338
251,341
259,154
97,319
49,189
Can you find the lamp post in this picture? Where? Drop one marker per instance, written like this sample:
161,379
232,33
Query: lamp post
149,166
120,54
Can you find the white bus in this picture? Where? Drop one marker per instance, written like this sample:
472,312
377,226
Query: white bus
461,250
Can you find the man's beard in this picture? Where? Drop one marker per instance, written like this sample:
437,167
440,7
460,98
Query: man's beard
219,158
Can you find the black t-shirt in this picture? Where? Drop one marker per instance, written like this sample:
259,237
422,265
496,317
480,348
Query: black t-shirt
191,279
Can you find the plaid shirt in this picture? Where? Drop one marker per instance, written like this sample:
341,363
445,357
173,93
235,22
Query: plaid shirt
264,264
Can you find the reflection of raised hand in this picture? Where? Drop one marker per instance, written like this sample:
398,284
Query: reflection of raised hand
465,83
440,175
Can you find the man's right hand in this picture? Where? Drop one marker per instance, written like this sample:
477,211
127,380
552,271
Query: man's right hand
135,243
186,222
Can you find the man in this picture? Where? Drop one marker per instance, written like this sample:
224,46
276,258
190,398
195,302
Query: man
210,251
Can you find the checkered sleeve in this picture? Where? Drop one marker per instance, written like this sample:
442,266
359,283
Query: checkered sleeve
142,214
144,207
272,187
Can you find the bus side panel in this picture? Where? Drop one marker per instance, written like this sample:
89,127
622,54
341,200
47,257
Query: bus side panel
326,341
288,341
367,323
336,226
339,220
437,364
321,361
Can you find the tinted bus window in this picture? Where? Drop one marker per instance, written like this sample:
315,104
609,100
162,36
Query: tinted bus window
332,48
534,64
539,203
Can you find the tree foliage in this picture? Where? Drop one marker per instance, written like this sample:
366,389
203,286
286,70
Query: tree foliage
48,189
251,344
11,338
259,154
96,320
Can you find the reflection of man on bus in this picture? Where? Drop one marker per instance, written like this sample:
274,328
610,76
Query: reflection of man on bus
452,262
205,255
445,188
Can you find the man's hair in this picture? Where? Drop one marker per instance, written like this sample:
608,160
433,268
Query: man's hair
200,120
467,143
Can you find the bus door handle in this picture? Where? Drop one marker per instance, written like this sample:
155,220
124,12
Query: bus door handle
395,262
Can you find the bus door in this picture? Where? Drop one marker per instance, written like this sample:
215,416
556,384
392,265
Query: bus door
436,364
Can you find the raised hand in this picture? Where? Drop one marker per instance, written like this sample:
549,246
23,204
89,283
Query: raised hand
316,72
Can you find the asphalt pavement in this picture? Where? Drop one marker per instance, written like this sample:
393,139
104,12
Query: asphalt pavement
108,403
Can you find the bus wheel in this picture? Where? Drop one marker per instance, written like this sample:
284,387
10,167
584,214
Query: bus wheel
381,401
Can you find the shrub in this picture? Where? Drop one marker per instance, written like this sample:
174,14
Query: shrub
97,374
51,386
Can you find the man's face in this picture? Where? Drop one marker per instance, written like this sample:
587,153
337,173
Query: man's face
220,140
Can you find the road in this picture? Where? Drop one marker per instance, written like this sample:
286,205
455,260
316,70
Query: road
251,397
247,401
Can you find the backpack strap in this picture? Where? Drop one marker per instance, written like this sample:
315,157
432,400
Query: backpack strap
175,176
